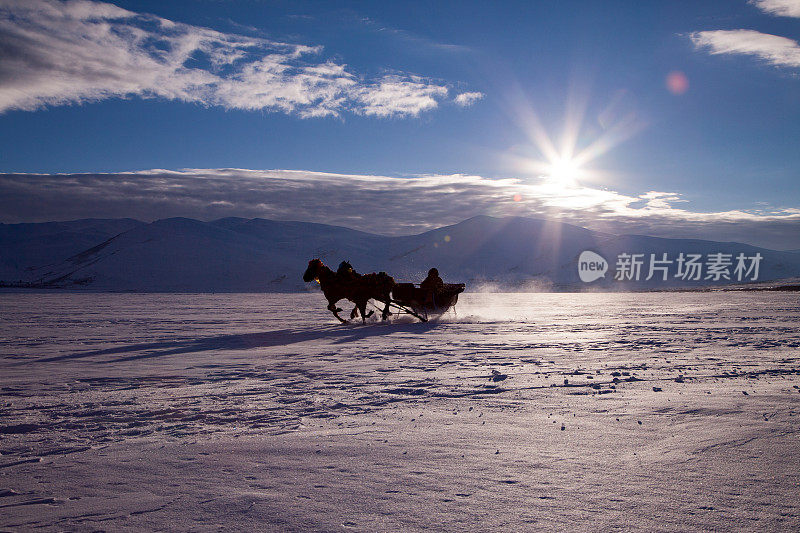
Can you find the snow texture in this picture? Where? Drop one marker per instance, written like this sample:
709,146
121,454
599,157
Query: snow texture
656,411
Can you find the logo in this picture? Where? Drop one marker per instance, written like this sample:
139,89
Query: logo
591,266
714,267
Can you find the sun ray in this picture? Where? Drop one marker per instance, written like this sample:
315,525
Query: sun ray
575,111
626,128
566,161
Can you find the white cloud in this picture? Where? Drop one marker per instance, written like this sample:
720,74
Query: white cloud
380,204
467,99
775,50
57,53
394,96
781,8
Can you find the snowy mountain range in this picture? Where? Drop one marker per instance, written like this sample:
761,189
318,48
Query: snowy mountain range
236,254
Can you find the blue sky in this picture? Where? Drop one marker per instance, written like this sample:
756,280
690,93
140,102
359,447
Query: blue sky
465,97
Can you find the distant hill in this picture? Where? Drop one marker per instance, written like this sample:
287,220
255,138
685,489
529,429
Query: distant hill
25,246
236,254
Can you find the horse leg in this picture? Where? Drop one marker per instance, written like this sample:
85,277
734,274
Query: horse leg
335,310
354,312
332,299
362,306
386,312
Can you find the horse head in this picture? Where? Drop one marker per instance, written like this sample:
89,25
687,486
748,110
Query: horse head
313,270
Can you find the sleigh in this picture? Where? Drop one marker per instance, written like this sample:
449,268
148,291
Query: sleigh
424,303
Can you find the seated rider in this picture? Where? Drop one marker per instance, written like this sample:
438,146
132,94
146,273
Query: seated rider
431,285
433,281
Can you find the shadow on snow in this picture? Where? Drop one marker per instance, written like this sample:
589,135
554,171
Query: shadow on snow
245,341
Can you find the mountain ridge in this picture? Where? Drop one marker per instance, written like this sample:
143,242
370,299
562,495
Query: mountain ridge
235,254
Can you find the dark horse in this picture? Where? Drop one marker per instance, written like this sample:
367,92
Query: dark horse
349,285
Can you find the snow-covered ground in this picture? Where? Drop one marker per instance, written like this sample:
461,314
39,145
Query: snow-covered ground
656,411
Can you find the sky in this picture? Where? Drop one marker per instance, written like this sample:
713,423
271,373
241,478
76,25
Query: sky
674,118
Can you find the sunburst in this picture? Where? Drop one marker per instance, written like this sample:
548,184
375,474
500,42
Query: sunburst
566,161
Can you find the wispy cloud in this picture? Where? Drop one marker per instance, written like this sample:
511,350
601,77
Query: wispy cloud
773,49
57,53
380,204
467,99
395,96
409,38
781,8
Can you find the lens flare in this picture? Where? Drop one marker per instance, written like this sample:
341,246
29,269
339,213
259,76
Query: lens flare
677,82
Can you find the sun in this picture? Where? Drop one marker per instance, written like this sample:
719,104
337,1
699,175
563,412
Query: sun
563,169
569,161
